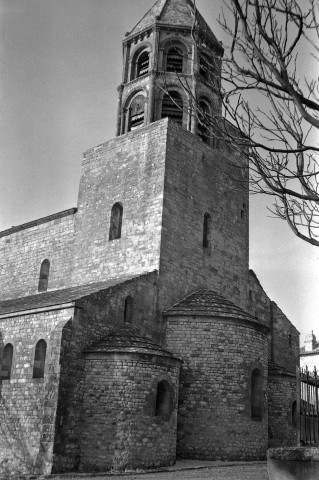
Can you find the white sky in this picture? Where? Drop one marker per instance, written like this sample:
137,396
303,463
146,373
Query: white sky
60,64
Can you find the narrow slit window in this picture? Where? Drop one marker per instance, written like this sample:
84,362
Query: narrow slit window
206,230
174,61
163,399
128,310
256,394
137,113
39,359
243,212
6,365
116,222
172,107
294,414
44,276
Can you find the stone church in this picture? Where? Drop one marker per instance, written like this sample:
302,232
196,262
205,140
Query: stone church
132,331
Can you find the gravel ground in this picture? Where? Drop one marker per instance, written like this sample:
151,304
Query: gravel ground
232,472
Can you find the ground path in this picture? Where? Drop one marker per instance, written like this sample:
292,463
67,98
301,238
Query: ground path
189,471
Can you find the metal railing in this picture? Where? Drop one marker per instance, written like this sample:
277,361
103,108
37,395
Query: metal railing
309,407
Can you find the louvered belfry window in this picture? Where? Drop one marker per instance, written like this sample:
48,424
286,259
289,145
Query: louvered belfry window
137,112
143,64
172,107
174,62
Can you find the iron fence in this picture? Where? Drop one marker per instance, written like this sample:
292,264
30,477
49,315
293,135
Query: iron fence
309,407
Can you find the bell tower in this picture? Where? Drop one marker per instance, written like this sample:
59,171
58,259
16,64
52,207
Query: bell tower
162,195
171,69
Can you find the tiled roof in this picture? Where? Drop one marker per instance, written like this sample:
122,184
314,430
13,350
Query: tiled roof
208,303
275,369
127,339
57,297
174,12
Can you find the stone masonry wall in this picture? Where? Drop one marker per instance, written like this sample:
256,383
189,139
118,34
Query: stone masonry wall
214,418
284,337
195,185
98,314
285,340
27,405
130,170
25,249
120,429
281,395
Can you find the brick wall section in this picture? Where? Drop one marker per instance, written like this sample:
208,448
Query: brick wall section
214,419
284,337
27,405
98,314
26,248
120,430
128,169
194,185
281,395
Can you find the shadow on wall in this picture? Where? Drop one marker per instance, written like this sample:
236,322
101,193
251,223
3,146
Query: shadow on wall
20,411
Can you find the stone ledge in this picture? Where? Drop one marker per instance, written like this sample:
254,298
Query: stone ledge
38,221
304,454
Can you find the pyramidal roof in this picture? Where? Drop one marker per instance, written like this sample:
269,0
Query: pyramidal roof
173,12
205,302
130,340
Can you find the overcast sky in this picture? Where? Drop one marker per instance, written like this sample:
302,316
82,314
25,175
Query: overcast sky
61,62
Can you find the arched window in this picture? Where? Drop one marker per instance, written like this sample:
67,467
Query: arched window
39,359
116,221
6,364
163,399
204,118
140,64
256,395
44,276
172,107
136,113
128,310
206,230
174,60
